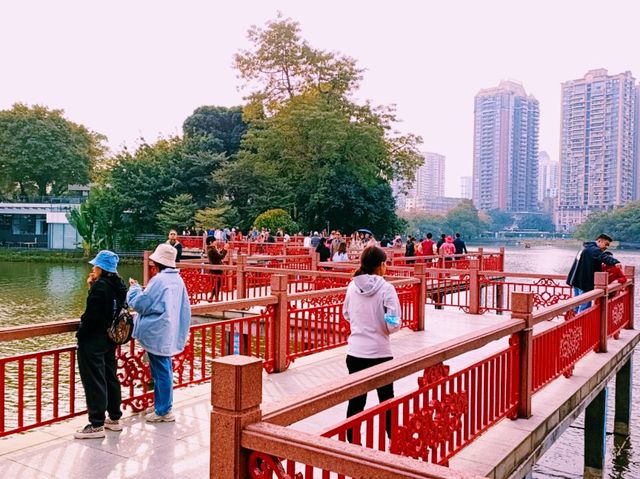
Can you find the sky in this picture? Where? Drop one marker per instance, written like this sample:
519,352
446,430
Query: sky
132,69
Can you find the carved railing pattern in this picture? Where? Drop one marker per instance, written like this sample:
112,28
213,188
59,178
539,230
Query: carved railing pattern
445,414
556,350
495,292
48,387
618,313
263,466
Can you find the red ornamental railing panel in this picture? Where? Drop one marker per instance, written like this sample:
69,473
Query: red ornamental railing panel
41,388
446,412
618,314
558,349
495,293
491,262
316,324
191,242
209,285
408,296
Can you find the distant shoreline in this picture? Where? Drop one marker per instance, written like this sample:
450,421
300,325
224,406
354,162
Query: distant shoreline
52,256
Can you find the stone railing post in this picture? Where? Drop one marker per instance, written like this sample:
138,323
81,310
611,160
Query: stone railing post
204,243
474,291
315,259
145,270
630,273
281,318
236,394
601,281
501,258
480,253
240,275
522,308
420,273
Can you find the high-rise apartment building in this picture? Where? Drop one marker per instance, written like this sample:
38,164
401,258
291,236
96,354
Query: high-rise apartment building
598,166
428,184
548,177
466,187
505,149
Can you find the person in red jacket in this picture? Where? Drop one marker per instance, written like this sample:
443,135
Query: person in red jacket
615,273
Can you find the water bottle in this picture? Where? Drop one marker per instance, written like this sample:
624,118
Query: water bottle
236,343
391,319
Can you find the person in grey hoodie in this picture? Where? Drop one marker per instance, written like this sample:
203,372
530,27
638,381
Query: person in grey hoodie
372,308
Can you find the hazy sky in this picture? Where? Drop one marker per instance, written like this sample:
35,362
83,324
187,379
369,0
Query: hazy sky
138,68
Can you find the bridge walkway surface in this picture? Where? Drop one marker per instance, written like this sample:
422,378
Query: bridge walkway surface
182,449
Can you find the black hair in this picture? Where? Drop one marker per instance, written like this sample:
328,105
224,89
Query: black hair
429,236
443,236
370,259
160,266
210,239
604,237
457,235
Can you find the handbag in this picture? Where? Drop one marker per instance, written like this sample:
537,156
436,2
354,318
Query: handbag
122,326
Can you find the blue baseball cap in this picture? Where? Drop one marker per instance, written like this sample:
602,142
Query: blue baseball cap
106,260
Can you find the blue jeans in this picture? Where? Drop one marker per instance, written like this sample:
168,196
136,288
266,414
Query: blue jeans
162,374
583,306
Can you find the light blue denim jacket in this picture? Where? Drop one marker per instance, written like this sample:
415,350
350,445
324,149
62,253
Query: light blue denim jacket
162,325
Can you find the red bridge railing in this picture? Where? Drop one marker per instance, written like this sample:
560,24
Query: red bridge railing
447,410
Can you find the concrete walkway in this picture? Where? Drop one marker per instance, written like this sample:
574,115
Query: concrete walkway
181,449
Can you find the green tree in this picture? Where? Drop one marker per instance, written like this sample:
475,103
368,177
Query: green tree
40,148
536,221
216,129
622,224
499,220
419,224
97,220
177,213
464,219
309,149
275,219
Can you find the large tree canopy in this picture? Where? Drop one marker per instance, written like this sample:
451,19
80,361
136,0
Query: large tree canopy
41,150
309,149
622,224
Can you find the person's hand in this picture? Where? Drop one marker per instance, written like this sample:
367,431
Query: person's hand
226,246
132,282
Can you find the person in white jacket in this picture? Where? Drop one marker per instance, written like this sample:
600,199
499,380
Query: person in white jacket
372,308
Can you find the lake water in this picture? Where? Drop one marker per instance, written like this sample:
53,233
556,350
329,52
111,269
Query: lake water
36,293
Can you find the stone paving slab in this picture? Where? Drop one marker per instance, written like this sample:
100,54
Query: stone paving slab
181,449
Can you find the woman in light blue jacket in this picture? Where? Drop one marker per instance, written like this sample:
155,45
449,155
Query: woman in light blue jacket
162,326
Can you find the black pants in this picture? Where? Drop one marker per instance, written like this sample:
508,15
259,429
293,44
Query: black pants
357,404
97,365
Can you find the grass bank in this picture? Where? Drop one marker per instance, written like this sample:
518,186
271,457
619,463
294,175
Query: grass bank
52,256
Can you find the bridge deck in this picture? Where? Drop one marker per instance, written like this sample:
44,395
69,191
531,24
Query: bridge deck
181,449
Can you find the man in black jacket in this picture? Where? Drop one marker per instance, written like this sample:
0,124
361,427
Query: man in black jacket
461,247
588,261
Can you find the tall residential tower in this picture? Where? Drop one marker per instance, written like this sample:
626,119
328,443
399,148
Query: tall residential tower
598,167
505,149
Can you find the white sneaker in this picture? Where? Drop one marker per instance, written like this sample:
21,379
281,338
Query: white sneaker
113,424
153,417
89,432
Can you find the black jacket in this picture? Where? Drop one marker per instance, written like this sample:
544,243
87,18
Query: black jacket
460,246
325,253
588,261
105,297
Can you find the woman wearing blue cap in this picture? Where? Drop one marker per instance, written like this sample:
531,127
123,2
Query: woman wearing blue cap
96,352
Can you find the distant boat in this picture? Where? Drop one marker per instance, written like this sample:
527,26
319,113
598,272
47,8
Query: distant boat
527,245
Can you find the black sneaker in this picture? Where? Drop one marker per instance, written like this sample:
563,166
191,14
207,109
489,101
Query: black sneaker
89,432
